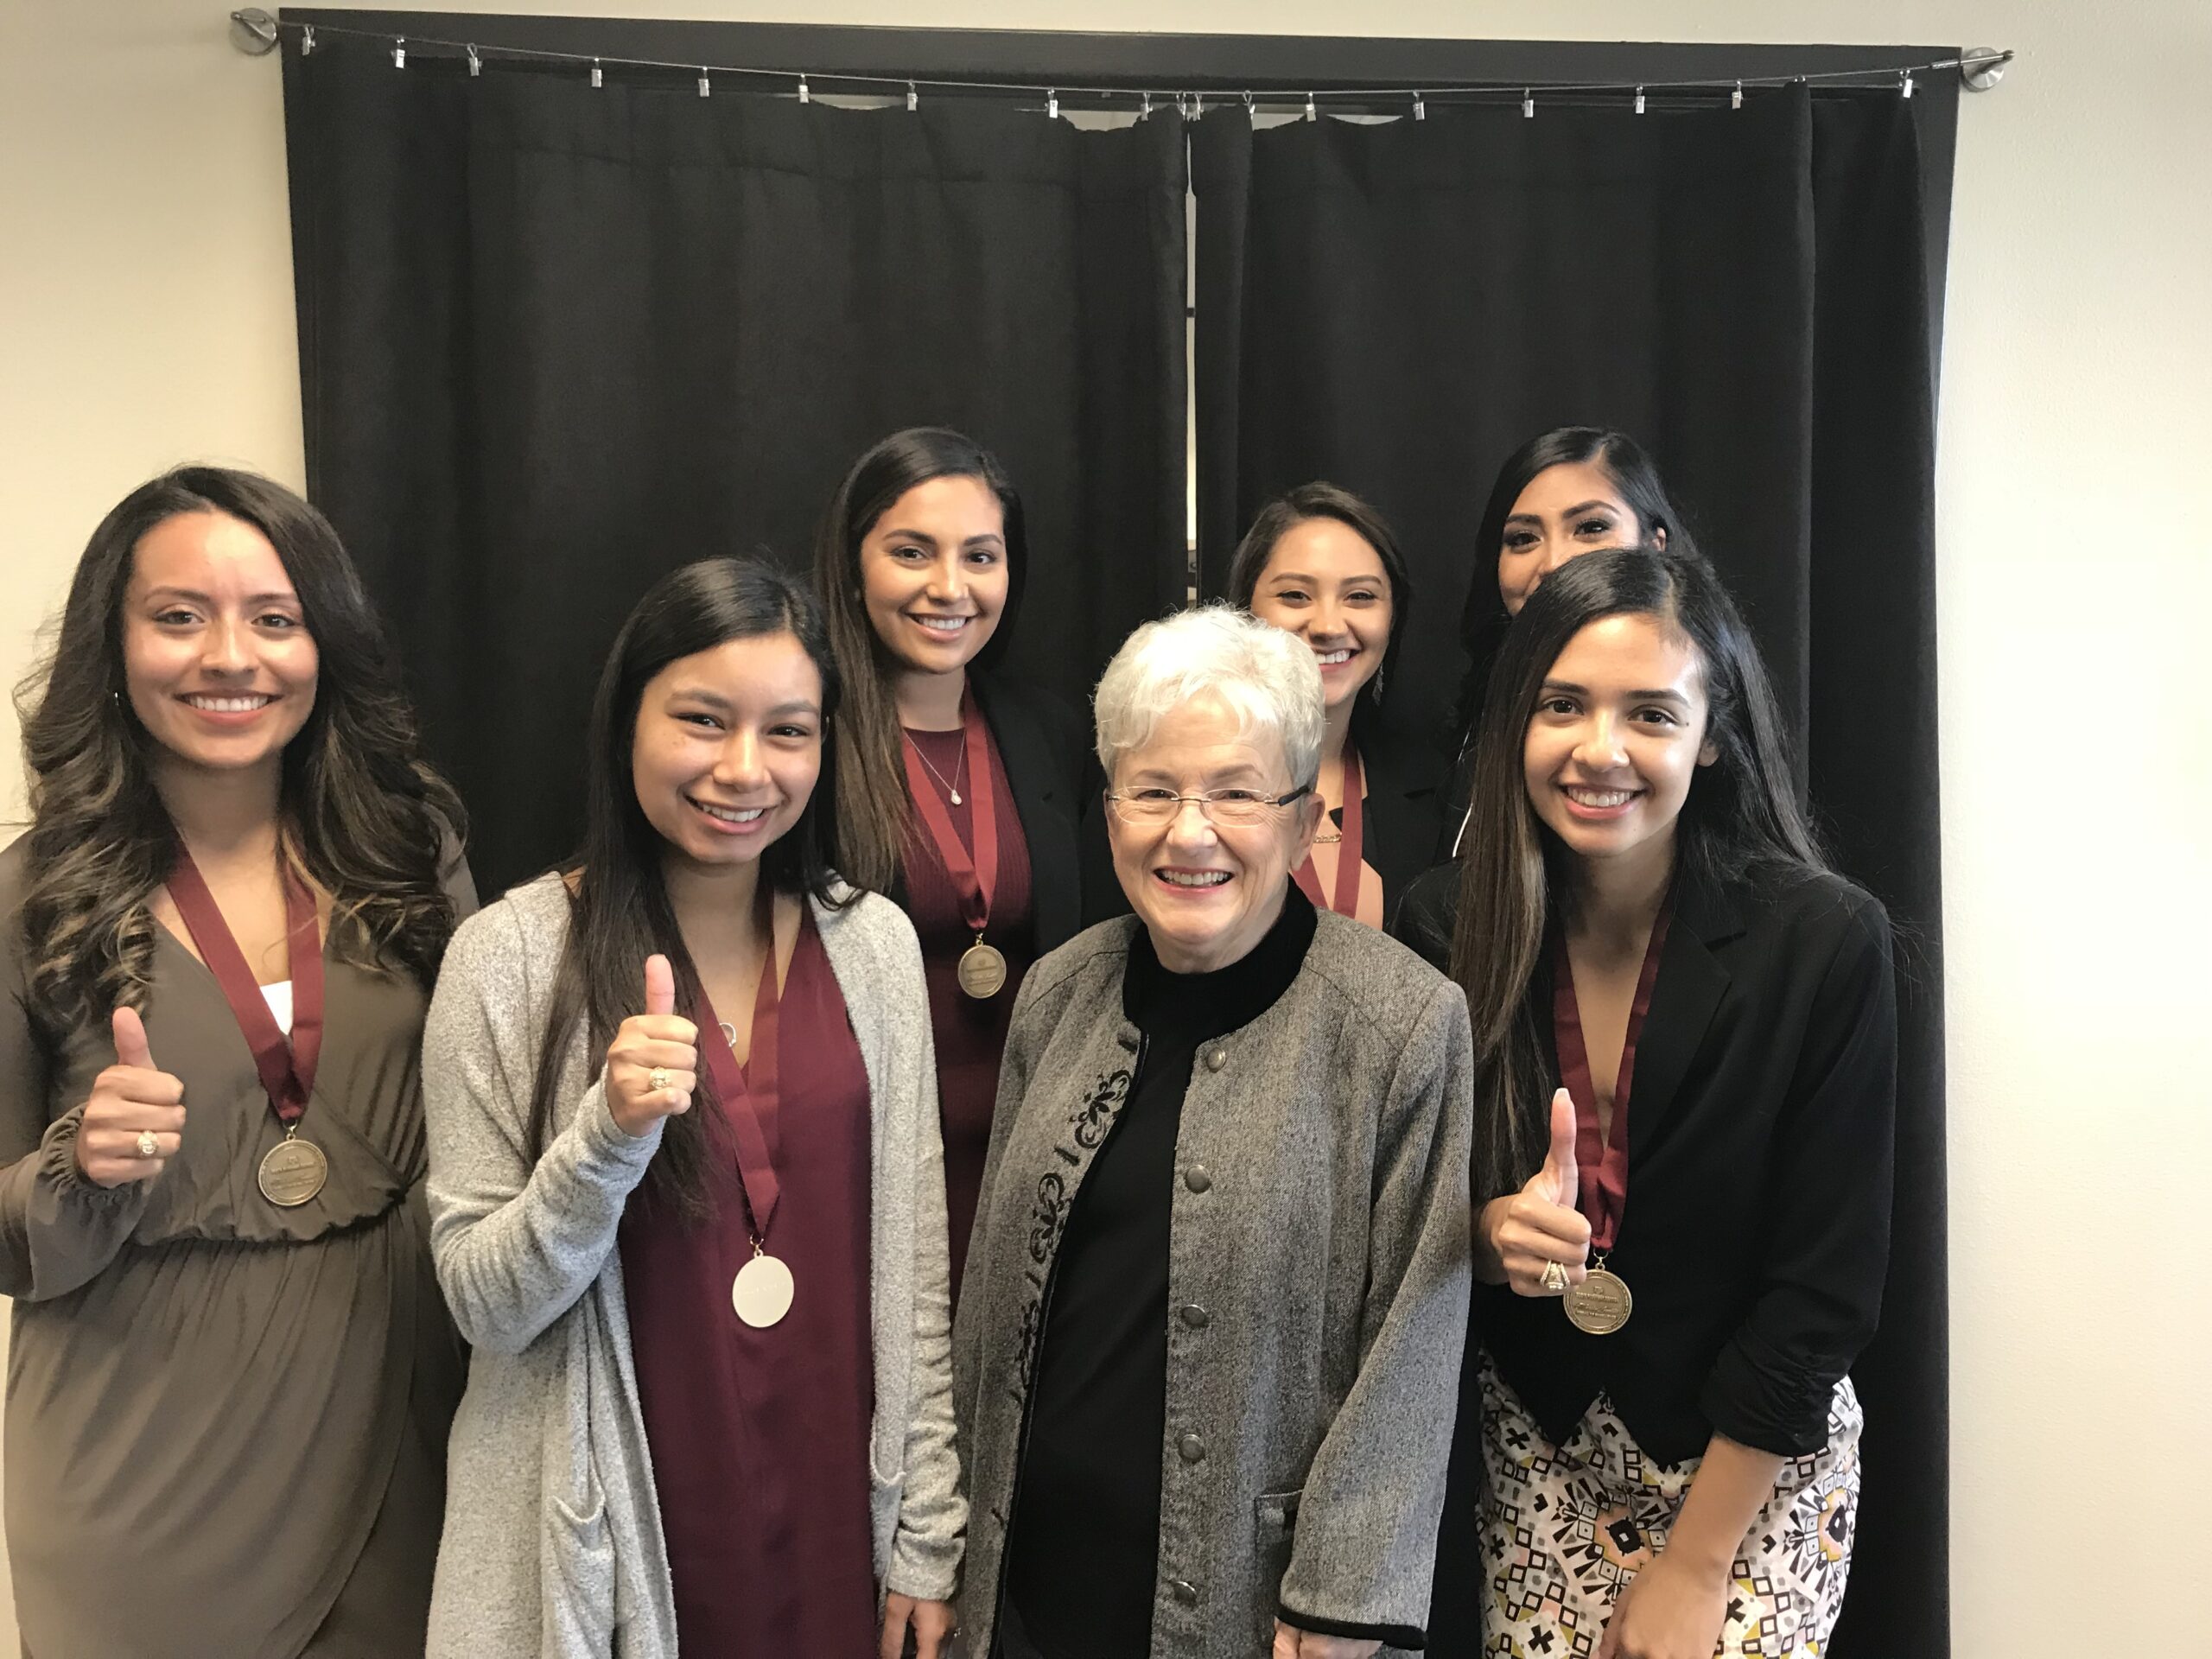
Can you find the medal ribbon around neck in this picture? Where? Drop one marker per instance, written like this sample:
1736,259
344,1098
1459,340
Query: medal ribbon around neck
1601,1158
1346,902
746,1092
975,879
287,1065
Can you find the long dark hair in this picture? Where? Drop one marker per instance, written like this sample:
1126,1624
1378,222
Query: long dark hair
873,807
619,909
1324,500
1740,818
1631,473
360,809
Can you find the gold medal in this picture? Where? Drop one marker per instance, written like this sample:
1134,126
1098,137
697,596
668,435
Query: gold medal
1600,1305
761,1292
982,972
293,1172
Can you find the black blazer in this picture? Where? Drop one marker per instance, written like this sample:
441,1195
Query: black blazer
1050,764
1404,811
1761,1138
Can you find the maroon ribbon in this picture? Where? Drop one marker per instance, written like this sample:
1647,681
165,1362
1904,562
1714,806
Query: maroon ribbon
975,879
1348,849
747,1094
1601,1158
287,1066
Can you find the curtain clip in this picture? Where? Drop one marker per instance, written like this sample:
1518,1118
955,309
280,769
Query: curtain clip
475,64
1528,104
1736,97
1144,108
306,41
597,78
1197,105
400,52
705,88
1639,101
1052,103
804,96
1310,115
913,98
1420,110
1907,88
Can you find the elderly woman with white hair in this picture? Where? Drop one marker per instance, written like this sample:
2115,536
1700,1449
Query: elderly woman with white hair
1208,1348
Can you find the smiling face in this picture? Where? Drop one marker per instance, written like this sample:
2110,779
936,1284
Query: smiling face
934,573
1618,734
727,748
216,659
1207,892
1325,582
1564,511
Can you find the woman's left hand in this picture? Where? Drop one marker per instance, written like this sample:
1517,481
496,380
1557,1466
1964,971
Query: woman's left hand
1293,1643
930,1621
1671,1610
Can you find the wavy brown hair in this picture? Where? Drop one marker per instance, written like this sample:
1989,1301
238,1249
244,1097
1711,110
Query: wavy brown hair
365,816
873,809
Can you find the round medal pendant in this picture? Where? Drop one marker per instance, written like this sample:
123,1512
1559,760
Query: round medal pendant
1600,1305
761,1292
982,972
293,1172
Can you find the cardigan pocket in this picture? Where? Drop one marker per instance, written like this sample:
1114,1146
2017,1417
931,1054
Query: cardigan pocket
580,1576
577,1566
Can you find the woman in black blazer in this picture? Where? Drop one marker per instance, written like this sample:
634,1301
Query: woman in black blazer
958,793
1323,564
1685,1041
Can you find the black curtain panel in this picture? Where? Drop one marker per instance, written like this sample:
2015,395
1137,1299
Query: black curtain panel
558,340
1395,307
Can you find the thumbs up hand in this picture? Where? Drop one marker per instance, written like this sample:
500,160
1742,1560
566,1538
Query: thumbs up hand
652,1065
133,1121
1520,1235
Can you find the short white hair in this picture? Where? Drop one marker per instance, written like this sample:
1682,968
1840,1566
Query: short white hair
1267,677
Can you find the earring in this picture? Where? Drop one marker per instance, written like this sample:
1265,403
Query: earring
1376,684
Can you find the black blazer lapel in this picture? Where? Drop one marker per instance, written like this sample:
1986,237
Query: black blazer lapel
1044,799
1692,981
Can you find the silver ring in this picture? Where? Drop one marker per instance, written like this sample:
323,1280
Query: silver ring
1554,1278
657,1079
147,1145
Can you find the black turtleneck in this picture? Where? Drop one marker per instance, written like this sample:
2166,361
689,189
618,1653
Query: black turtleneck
1083,1554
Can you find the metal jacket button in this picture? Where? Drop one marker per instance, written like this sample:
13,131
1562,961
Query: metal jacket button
1184,1591
1215,1057
1197,1178
1196,1316
1192,1448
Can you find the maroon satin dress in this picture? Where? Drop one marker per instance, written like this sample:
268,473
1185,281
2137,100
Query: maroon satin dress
969,1035
759,1439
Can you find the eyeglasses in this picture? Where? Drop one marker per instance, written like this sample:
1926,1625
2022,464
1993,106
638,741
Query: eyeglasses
1237,808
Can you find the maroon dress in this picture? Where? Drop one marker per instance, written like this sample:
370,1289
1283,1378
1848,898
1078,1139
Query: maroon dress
969,1035
759,1439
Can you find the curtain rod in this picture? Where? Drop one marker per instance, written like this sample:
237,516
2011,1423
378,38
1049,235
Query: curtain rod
257,33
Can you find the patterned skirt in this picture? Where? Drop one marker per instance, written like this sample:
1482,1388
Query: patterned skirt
1564,1529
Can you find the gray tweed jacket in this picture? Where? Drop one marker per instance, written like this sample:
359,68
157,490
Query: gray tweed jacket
552,1542
1318,1226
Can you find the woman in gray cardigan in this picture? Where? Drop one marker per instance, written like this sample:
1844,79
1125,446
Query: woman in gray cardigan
686,1193
1208,1347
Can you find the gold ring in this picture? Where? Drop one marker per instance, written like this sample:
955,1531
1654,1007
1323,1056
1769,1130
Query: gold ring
147,1145
1554,1278
657,1079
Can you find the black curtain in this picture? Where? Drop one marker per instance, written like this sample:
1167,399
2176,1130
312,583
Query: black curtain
556,341
1395,307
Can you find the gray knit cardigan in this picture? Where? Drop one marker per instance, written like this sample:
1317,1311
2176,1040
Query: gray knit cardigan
1317,1278
552,1543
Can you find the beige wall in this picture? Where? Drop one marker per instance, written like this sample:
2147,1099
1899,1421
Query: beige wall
144,295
